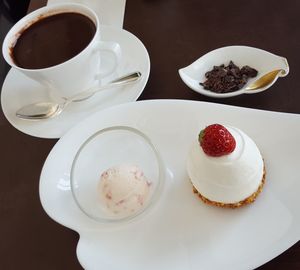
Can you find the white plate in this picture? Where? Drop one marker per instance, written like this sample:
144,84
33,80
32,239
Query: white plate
18,90
181,232
261,60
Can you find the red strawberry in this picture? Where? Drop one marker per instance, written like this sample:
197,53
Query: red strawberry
216,140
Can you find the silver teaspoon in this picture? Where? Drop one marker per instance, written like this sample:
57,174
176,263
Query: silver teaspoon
45,110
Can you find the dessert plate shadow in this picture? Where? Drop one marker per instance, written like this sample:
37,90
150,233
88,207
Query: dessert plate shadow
181,232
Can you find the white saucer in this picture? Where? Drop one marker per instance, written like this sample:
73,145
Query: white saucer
181,232
18,90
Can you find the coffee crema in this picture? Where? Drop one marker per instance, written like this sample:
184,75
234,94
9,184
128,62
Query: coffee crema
53,40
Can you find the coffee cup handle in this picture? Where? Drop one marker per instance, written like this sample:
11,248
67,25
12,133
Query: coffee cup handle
115,49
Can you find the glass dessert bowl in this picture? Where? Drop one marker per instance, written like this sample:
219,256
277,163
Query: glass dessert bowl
116,175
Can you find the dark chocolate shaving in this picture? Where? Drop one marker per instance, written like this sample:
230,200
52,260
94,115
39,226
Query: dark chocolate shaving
224,79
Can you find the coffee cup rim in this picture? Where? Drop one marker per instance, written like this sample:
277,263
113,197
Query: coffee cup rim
14,33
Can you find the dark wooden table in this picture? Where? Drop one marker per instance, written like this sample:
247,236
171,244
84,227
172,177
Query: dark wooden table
175,32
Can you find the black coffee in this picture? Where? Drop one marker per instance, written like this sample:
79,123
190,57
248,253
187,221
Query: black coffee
53,40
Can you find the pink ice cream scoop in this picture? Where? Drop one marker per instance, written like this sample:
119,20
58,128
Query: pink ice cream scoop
124,189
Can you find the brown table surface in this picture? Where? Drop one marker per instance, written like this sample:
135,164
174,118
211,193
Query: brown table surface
175,32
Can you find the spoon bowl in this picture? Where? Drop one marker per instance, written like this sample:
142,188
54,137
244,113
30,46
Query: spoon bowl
265,81
264,62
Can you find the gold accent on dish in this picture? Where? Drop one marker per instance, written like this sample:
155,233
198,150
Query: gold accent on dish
266,79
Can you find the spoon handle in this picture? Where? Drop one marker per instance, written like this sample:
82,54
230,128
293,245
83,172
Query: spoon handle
132,77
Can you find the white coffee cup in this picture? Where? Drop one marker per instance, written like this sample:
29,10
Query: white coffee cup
74,75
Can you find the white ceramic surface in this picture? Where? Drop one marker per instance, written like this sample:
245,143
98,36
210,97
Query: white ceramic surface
261,60
18,90
181,232
59,79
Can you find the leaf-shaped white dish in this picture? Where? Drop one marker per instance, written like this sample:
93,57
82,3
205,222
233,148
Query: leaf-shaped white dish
180,232
261,60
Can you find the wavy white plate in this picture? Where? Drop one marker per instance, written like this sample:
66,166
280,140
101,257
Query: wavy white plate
180,232
263,61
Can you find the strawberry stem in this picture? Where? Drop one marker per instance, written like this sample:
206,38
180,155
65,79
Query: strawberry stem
201,135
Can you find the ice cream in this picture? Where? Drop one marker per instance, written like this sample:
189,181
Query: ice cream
123,189
231,178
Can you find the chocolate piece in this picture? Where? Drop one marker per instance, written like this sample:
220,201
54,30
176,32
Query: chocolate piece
225,79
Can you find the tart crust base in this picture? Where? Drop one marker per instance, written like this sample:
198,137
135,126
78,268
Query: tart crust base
246,201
